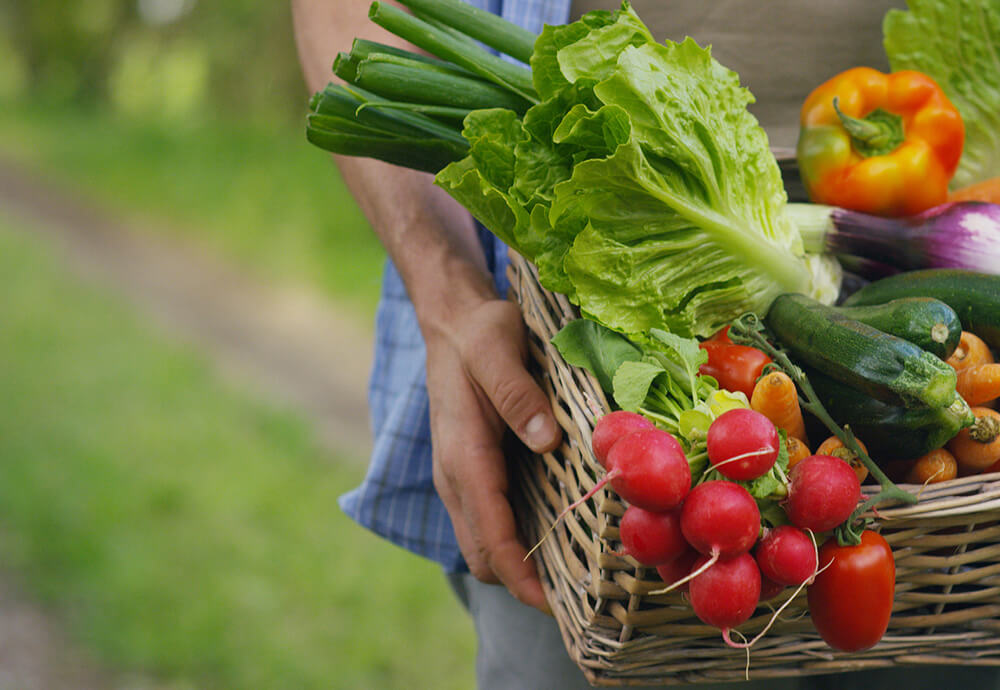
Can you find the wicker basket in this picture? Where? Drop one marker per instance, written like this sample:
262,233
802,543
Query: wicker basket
947,549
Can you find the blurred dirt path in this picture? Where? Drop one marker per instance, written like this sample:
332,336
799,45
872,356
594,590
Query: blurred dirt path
291,346
287,345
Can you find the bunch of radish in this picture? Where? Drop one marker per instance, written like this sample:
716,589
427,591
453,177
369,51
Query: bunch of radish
705,535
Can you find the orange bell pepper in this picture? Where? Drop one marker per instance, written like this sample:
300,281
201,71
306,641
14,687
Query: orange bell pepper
885,144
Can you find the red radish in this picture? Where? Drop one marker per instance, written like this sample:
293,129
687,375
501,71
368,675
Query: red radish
742,444
720,518
613,426
769,589
648,468
787,555
726,593
678,568
823,491
652,538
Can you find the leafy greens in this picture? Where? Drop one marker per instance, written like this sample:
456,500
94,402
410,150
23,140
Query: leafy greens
956,43
640,185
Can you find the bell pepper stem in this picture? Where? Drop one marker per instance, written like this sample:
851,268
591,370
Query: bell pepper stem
876,134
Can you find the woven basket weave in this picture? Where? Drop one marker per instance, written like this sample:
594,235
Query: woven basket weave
947,550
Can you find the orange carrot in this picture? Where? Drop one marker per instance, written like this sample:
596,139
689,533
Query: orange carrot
775,397
977,447
986,190
797,450
979,385
835,447
938,465
971,352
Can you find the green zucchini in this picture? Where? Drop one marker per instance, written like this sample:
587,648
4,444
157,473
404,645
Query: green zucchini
924,321
974,296
890,432
882,365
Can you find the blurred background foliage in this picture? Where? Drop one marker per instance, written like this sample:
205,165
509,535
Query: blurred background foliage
167,59
192,111
183,530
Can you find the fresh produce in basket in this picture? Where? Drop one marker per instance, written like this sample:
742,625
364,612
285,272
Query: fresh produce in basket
611,427
775,396
720,519
961,235
850,599
928,323
881,365
786,554
890,431
939,465
975,296
979,385
742,444
977,447
648,469
823,492
726,593
833,445
954,43
631,175
735,367
970,352
600,175
652,538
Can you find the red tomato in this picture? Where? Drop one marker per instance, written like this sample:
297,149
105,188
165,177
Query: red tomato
735,367
851,601
720,336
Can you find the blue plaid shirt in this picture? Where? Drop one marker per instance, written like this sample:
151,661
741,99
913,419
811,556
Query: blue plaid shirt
397,499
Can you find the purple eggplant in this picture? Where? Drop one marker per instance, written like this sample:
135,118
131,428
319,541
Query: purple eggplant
962,234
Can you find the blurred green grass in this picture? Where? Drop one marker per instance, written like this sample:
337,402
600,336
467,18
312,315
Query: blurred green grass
182,528
262,197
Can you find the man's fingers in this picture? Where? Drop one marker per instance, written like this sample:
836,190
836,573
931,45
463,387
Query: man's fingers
474,555
493,529
495,360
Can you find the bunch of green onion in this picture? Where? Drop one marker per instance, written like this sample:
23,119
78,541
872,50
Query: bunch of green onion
407,108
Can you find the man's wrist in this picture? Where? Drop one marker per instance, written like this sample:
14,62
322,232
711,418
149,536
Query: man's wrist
445,295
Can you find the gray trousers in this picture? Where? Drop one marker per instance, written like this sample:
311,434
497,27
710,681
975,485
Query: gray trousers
521,648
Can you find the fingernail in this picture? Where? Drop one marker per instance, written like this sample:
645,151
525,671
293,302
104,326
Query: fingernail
539,431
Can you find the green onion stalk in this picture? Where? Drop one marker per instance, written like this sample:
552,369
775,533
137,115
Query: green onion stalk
407,108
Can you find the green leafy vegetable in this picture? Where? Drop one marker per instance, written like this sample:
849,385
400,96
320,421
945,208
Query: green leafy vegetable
643,187
585,344
956,43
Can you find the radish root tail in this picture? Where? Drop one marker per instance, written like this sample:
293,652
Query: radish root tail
573,506
690,576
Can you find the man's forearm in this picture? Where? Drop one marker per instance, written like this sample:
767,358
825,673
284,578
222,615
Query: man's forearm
417,223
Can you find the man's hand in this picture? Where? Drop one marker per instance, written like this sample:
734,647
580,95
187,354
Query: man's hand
478,386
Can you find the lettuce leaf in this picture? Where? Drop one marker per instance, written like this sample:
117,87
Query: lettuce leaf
642,187
956,43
